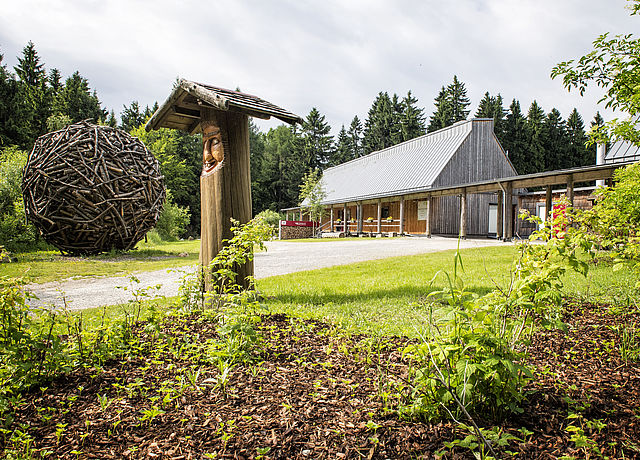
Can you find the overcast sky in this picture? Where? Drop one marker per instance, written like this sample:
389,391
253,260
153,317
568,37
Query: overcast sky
330,54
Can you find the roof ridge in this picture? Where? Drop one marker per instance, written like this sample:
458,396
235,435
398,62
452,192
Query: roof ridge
415,140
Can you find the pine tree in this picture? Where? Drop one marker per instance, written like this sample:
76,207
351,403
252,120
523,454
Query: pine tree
458,100
77,101
535,150
579,153
14,113
131,117
491,107
342,152
35,93
355,138
381,126
556,142
412,123
442,117
515,137
29,69
256,156
318,143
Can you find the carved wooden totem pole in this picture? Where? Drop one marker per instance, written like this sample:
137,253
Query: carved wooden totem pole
222,116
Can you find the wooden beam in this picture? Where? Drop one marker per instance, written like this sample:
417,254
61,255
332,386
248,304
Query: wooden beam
570,189
379,229
548,204
500,217
508,212
428,223
360,218
184,112
463,215
331,219
344,220
401,215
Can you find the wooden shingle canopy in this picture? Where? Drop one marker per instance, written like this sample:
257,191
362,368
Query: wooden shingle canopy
182,109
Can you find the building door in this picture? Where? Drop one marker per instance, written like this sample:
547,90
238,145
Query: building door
493,219
541,212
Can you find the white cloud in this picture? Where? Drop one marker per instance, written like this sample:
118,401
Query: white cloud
333,55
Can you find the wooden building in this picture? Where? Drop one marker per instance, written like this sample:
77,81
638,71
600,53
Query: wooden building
389,191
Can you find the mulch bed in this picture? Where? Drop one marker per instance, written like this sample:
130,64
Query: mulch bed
314,392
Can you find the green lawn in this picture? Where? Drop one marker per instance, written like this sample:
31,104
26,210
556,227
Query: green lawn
386,296
43,266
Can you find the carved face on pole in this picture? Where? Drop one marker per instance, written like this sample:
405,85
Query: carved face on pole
213,151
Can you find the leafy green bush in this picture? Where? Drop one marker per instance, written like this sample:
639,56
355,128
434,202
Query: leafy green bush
614,221
16,234
470,360
270,217
173,220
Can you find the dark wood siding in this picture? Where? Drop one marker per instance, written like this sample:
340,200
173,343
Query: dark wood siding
480,157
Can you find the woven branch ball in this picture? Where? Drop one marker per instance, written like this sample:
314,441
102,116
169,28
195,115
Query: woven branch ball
90,189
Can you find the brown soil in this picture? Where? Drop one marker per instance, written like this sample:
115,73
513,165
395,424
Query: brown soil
313,392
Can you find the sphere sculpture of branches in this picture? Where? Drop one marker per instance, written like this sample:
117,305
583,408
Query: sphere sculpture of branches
90,189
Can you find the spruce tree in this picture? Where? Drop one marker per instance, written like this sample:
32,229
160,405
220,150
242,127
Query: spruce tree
458,100
579,153
442,117
412,123
318,143
15,115
77,101
355,137
515,137
131,117
492,107
381,126
535,150
342,152
34,90
556,142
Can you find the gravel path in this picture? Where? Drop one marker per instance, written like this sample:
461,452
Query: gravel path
281,257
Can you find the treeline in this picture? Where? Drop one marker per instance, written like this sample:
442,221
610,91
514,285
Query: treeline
34,101
535,142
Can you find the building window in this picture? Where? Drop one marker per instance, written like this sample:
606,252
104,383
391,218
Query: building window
385,212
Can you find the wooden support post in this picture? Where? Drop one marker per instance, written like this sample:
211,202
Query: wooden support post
428,229
548,204
301,214
508,212
463,215
500,216
226,187
401,215
344,220
570,189
331,219
379,230
360,218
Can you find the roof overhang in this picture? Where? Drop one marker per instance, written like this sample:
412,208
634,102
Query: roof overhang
182,109
547,178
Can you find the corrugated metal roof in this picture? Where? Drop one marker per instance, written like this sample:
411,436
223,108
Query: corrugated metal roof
409,166
622,152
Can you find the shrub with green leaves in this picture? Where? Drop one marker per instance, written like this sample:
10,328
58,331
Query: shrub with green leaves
471,360
173,220
272,218
16,234
614,221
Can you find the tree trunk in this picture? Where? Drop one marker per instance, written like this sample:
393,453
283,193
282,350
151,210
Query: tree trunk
226,192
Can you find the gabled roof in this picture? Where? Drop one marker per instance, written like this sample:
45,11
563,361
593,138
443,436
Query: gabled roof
622,152
404,168
181,110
